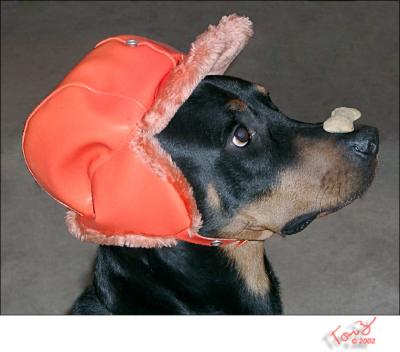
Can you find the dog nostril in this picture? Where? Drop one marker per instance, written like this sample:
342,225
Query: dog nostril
364,142
365,147
372,147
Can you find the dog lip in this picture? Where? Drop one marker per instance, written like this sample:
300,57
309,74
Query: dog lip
299,223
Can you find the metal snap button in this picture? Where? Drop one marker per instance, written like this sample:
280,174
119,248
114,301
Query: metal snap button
131,42
216,243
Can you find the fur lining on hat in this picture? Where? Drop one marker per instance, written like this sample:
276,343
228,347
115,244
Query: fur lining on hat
127,240
211,54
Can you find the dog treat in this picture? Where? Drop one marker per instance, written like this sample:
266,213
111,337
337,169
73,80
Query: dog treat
341,120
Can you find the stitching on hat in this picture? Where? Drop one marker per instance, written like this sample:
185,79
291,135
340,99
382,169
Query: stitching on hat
77,84
174,62
109,40
141,43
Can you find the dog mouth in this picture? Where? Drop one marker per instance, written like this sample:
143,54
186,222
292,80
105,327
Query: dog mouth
299,223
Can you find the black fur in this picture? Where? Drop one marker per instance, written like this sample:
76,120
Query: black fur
186,279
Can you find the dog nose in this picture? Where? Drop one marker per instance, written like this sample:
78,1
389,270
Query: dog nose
364,142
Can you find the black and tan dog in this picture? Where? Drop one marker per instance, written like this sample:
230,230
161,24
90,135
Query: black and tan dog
254,172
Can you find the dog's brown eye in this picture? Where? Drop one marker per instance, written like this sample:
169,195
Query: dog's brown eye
241,137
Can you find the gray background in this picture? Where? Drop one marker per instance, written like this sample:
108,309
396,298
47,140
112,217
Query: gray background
313,56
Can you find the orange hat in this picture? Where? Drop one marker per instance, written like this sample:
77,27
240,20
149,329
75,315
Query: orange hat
90,144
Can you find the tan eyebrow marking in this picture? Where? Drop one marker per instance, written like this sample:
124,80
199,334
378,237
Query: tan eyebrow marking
237,105
261,88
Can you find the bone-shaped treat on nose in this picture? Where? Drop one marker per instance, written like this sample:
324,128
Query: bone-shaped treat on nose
341,120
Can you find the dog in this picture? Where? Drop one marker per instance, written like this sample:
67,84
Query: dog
254,172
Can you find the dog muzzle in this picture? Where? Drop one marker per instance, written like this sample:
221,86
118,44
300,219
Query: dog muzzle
91,143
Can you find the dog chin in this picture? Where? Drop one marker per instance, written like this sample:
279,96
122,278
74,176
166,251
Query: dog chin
364,185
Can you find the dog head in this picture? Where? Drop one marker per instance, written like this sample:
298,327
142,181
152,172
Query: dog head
255,171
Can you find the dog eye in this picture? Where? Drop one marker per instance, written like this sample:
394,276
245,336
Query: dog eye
241,137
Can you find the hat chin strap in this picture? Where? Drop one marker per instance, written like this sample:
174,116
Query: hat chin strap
194,237
212,241
208,241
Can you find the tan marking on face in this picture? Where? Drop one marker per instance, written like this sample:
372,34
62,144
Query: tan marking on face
249,262
237,105
321,180
212,197
261,88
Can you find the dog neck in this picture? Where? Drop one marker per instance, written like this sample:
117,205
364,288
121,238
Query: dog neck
187,279
249,261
